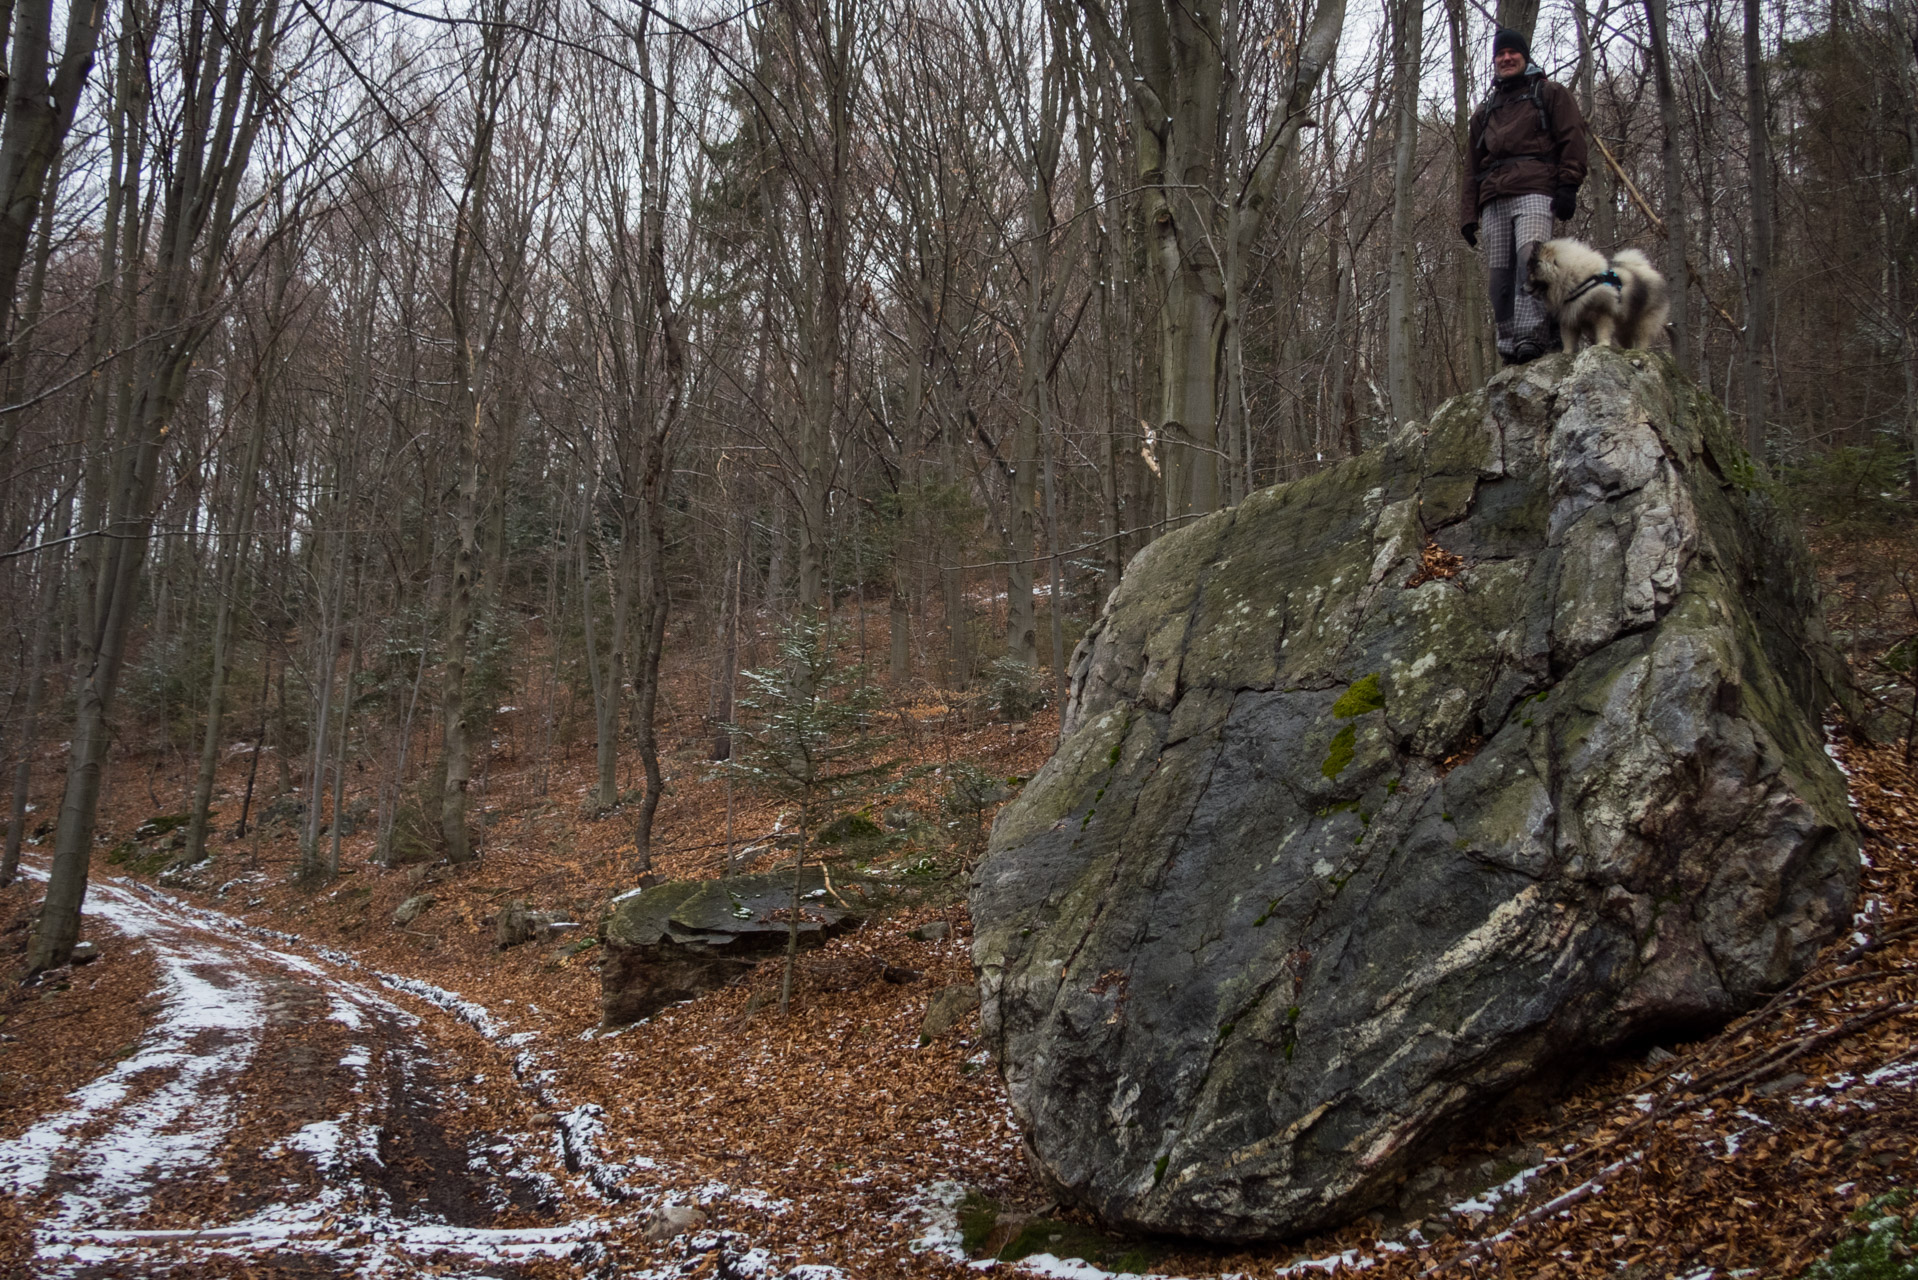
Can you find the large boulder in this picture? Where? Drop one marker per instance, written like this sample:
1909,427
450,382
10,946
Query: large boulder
1396,789
681,939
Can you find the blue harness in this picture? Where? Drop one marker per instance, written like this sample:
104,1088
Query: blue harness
1592,282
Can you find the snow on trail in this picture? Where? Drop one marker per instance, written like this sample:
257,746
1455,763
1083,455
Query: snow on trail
197,1047
241,1017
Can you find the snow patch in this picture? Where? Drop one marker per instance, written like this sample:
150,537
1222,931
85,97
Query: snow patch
166,1099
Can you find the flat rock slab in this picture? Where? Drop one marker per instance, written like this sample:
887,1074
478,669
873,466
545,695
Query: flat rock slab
681,939
1401,787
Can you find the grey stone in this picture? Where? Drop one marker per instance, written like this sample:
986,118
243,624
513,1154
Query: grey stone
515,923
1770,1089
684,938
281,809
674,1220
931,931
412,909
357,812
946,1008
1333,855
83,953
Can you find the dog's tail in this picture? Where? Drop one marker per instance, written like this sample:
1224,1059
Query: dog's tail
1646,299
1633,260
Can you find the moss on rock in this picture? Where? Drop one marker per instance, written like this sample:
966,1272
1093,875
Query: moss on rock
1412,845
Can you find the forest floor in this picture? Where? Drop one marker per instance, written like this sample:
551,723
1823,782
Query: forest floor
257,1078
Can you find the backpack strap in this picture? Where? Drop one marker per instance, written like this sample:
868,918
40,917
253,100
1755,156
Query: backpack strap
1537,95
1534,94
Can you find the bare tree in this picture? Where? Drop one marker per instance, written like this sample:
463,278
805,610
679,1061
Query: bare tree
475,307
227,54
1197,200
235,553
1031,111
1408,47
1468,278
42,94
1759,251
1677,264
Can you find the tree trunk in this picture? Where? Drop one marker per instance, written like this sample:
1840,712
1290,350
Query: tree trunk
609,678
235,565
1600,183
1758,255
457,766
327,663
188,278
729,660
1468,277
899,623
103,652
952,577
1520,15
1676,268
1056,591
39,109
1022,643
1191,342
330,867
1907,35
792,928
51,568
27,739
646,689
1402,384
468,421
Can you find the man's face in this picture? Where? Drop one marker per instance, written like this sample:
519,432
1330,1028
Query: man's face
1507,63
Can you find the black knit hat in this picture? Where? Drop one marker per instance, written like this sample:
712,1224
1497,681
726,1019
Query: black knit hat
1506,38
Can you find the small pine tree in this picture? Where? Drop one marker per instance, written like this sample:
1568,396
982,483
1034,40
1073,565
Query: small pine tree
806,734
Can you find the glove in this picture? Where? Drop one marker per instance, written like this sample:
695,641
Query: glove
1565,203
1470,232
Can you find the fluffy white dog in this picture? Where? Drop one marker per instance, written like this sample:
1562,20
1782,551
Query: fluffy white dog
1623,302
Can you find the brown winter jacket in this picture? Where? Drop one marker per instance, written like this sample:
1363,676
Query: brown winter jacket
1550,151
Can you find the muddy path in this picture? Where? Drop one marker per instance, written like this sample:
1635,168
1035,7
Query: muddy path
291,1112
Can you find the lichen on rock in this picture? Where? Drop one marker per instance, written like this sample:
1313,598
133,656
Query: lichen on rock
1327,864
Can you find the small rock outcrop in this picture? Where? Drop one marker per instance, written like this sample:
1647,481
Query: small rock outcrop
947,1008
684,938
1396,789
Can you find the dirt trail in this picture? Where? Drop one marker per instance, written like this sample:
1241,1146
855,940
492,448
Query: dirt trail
284,1111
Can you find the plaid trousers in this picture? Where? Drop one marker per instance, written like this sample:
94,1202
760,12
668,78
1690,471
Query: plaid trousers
1508,225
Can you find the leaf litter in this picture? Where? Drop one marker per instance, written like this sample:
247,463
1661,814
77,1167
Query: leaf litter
832,1143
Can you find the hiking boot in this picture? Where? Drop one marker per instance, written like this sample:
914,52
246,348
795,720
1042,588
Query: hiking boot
1525,352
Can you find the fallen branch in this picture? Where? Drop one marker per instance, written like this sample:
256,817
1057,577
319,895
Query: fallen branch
826,871
1564,1200
1658,224
1769,1064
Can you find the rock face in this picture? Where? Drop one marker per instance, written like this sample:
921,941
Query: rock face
684,938
1397,788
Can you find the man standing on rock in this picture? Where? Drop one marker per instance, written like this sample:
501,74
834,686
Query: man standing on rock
1524,161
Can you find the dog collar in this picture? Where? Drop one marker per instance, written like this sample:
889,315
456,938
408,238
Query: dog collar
1592,282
